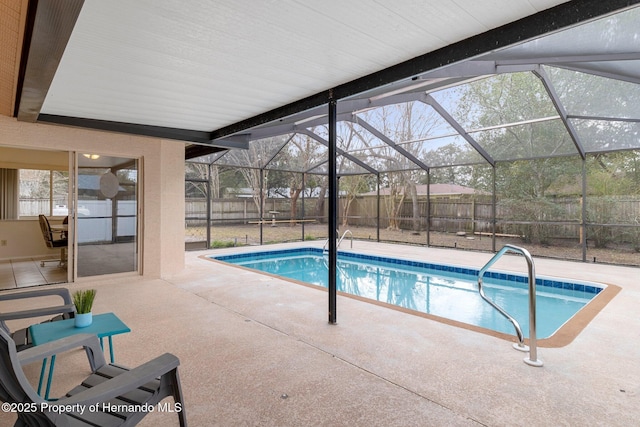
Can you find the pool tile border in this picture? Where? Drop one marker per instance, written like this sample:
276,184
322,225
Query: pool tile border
542,282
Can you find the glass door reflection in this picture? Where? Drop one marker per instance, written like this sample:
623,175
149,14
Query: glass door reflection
107,215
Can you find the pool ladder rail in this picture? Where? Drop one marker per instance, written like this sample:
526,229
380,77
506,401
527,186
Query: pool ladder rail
324,248
325,251
532,360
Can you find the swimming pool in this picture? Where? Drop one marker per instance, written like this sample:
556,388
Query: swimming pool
445,291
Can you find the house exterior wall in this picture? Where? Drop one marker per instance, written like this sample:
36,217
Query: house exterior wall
162,178
162,181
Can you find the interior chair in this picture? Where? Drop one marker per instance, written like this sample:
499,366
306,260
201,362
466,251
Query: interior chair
64,310
108,388
65,233
52,242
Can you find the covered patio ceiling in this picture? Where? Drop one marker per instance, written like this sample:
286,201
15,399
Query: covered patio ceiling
581,84
219,74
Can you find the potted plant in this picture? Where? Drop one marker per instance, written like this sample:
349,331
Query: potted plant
83,300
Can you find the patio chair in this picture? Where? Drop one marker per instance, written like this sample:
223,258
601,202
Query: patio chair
111,396
52,242
21,337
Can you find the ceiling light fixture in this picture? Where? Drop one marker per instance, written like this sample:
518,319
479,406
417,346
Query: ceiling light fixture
92,156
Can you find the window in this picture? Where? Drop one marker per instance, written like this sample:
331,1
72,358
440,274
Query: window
43,192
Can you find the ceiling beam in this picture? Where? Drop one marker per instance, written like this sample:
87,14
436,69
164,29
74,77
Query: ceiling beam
130,128
345,109
583,68
382,137
604,118
631,56
551,91
339,151
52,26
193,151
429,100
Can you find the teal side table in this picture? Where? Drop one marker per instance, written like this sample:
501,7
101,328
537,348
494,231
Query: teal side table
103,325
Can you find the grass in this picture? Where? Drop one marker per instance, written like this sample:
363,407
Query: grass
219,244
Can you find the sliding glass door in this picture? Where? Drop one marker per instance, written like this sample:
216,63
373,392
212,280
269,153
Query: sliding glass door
106,215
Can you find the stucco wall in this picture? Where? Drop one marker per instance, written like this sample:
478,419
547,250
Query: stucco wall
162,181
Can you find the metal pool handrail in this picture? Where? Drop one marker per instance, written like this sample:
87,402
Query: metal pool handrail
339,240
533,351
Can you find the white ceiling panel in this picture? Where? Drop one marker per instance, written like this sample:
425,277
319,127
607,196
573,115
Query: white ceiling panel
205,64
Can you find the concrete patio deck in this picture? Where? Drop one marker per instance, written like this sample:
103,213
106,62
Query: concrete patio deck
258,351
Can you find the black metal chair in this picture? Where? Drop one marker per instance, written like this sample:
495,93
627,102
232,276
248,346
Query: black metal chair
52,242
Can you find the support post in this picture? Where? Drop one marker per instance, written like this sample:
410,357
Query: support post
583,214
260,211
378,210
473,216
428,208
304,183
208,187
333,209
493,210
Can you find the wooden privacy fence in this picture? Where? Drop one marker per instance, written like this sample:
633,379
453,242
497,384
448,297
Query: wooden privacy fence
243,210
554,217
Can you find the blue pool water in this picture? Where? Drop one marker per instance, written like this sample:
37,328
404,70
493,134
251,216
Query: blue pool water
446,291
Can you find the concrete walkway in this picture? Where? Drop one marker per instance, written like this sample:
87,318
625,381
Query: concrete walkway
258,351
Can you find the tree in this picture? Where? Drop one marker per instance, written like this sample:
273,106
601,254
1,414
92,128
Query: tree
393,201
410,125
613,187
252,163
614,174
322,193
523,136
299,155
351,186
195,174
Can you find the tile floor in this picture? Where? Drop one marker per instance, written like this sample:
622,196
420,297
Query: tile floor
93,260
28,272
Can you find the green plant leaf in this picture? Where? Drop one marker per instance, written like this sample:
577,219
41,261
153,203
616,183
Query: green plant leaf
83,300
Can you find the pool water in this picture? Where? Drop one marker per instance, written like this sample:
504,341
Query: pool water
446,291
